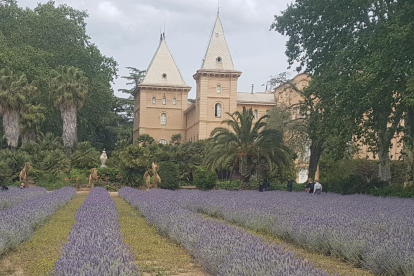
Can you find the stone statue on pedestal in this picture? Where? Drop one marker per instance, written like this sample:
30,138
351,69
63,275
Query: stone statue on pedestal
103,159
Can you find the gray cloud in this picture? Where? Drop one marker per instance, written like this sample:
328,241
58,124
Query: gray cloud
129,31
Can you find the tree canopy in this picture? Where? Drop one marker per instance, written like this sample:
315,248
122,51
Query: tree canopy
360,58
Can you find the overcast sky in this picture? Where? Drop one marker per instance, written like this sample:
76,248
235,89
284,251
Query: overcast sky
129,30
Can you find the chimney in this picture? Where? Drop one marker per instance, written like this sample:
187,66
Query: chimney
252,88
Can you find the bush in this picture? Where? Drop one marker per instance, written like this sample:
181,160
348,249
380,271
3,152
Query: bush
78,177
11,163
353,184
228,185
109,174
85,156
204,179
133,162
52,182
277,185
394,190
170,176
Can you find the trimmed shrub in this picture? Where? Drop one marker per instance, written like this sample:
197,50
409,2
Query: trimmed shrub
170,176
204,179
228,185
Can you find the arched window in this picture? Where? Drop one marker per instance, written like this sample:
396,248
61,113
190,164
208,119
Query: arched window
217,110
154,100
218,90
174,101
164,101
163,141
163,119
218,59
256,114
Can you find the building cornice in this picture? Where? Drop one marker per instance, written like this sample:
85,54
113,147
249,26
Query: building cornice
217,73
256,103
161,88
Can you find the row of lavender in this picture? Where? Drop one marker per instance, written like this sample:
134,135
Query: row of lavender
220,248
95,245
15,196
18,223
376,233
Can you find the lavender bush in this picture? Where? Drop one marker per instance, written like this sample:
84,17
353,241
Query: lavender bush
16,196
18,223
220,248
95,245
375,233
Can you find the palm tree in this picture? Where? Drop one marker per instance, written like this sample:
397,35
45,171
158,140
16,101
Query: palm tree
31,119
14,94
245,145
68,89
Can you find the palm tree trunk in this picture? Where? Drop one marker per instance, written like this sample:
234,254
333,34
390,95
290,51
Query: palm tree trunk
28,137
69,135
11,127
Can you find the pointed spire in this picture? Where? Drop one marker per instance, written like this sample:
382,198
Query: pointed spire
218,55
163,70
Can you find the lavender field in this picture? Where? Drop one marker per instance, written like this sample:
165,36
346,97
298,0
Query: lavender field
375,233
18,223
220,248
15,196
95,245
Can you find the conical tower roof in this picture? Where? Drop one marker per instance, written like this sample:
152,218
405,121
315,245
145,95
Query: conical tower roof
218,55
163,70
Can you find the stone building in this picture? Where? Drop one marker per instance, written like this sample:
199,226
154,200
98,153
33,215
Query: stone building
161,100
162,108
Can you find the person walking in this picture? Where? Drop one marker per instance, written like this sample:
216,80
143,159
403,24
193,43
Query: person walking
317,190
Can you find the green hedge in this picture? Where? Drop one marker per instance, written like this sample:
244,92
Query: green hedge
228,185
393,190
204,179
170,176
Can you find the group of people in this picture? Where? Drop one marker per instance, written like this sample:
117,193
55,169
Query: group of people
313,187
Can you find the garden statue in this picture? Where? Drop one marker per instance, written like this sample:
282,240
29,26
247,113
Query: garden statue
157,178
92,177
103,159
147,179
24,174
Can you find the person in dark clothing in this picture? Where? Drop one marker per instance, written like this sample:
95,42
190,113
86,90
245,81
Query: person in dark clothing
266,185
261,186
310,186
289,186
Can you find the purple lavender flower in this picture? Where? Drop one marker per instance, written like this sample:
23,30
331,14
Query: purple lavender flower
220,248
373,232
16,196
95,246
18,223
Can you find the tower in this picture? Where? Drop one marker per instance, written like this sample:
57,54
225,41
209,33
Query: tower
216,92
161,98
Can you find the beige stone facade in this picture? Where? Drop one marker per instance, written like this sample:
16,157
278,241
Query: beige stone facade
161,100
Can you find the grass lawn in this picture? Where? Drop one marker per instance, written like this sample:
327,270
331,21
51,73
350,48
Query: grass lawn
155,255
37,256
